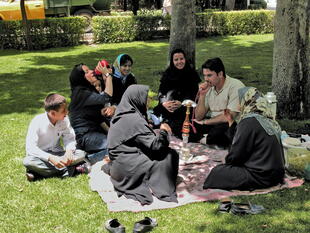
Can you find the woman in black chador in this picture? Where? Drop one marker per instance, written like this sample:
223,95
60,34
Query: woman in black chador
255,159
179,82
142,164
85,107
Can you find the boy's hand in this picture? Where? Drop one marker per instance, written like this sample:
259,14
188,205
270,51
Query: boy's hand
56,161
68,157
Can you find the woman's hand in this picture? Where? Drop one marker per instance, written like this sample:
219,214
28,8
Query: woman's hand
108,111
166,127
103,69
172,105
176,104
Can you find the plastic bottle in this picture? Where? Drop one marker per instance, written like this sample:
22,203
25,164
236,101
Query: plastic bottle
272,103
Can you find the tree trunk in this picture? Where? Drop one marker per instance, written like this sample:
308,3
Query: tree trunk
241,4
158,4
230,5
135,6
183,28
290,78
26,25
125,5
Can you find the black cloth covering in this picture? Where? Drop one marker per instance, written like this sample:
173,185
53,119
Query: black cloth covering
255,160
119,87
142,163
85,112
179,85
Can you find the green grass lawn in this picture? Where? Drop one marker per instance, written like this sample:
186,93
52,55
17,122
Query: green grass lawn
55,205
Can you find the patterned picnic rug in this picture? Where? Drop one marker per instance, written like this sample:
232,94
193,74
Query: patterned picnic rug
192,175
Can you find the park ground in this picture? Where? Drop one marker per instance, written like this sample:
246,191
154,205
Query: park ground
68,205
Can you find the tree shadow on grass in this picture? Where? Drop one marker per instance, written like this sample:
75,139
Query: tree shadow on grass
251,62
286,211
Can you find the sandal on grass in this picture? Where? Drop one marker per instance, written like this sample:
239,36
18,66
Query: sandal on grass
241,209
224,206
145,225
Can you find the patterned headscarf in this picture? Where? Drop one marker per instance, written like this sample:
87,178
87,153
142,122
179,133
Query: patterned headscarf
254,104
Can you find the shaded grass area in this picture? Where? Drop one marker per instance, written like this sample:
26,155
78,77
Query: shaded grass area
68,205
29,76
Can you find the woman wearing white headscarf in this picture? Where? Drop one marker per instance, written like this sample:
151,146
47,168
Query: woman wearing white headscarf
122,76
255,159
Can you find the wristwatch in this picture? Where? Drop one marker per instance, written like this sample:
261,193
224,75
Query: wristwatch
108,74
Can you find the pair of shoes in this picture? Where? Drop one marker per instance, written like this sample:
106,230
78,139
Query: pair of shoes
227,206
30,176
224,206
145,225
242,209
113,225
84,168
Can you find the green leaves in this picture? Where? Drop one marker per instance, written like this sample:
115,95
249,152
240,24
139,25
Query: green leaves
45,33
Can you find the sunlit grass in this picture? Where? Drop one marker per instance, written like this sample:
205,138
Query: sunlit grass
68,205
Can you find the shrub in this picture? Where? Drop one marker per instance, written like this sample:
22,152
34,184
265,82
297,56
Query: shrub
235,22
114,28
121,13
257,4
128,28
45,33
149,25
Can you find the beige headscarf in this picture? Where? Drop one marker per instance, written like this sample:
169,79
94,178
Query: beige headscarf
254,104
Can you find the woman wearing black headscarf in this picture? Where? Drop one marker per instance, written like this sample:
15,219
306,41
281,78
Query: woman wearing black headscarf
142,164
255,159
85,107
179,82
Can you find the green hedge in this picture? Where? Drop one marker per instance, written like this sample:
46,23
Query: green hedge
61,32
45,33
235,22
146,27
113,29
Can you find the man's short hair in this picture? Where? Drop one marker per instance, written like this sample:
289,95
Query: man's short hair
54,101
214,64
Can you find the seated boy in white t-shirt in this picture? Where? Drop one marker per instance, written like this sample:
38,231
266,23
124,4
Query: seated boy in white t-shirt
45,156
